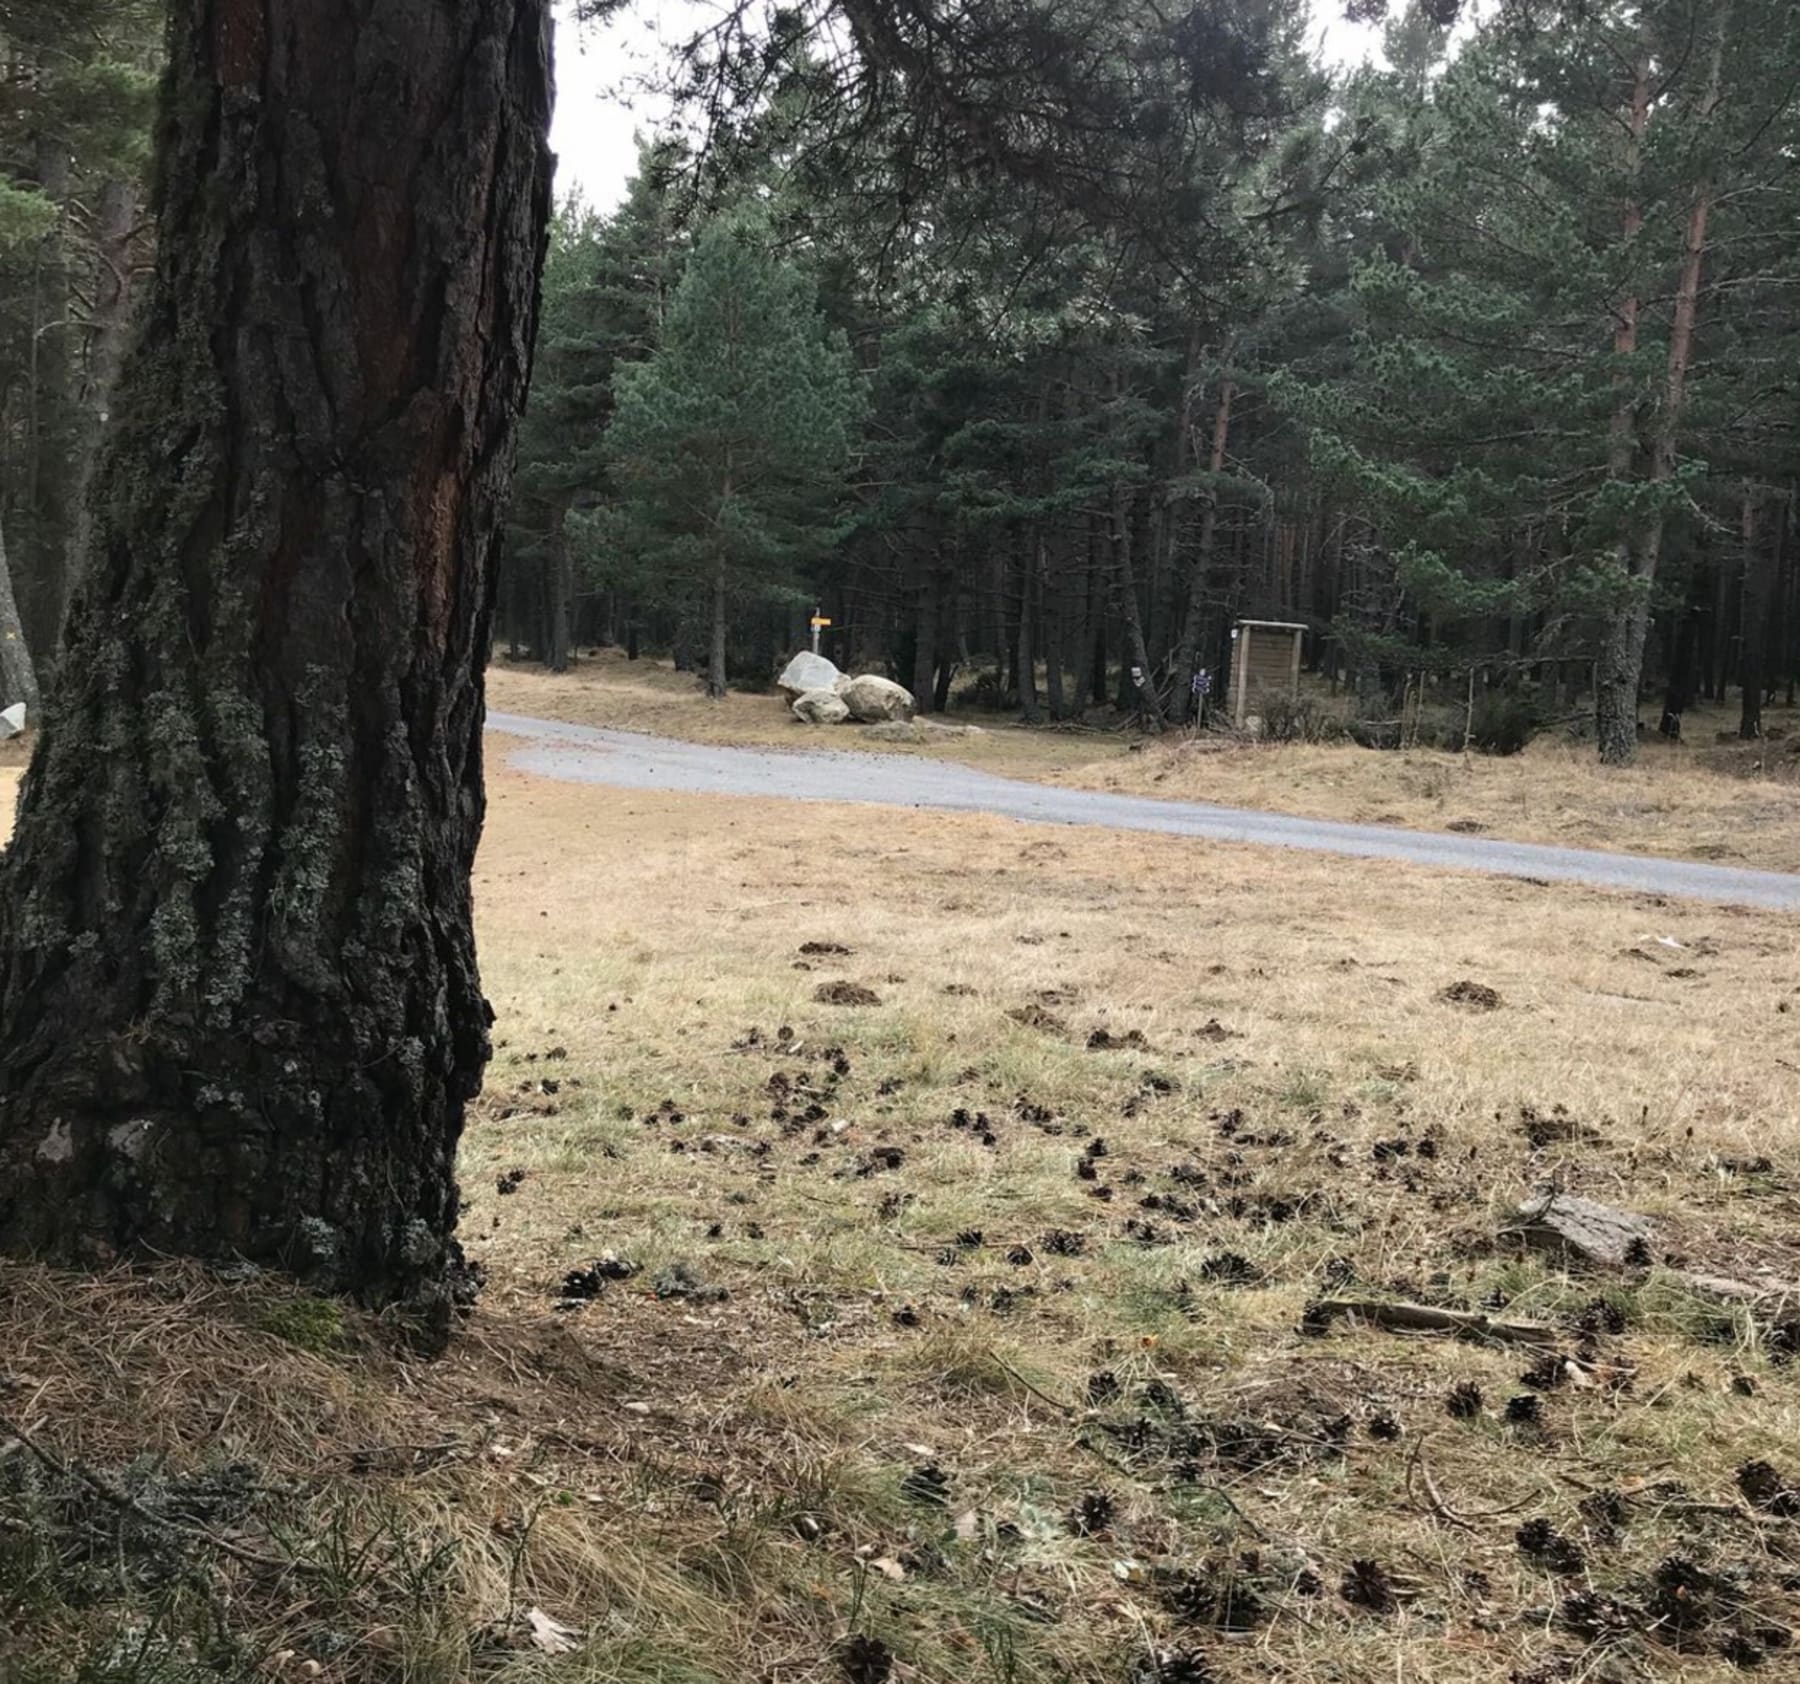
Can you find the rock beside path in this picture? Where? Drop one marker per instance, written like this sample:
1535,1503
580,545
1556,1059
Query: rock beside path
821,707
807,672
874,700
918,731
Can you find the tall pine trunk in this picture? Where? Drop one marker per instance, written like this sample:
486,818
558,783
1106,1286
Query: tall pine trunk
559,588
1139,681
1188,655
715,655
239,1008
1759,592
1619,668
1622,648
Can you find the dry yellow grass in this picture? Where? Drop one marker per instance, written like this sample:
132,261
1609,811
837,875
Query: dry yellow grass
605,689
1739,804
1702,800
721,1491
1302,994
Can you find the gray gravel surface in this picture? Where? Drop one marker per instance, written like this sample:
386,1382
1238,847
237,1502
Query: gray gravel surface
630,760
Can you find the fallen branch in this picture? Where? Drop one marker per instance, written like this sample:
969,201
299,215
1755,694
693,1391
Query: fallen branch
1428,1318
124,1500
1441,1508
1012,1373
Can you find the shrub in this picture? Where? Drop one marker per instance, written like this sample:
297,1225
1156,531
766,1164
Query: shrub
1504,721
987,690
1299,719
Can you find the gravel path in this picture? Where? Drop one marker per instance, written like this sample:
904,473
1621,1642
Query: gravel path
629,760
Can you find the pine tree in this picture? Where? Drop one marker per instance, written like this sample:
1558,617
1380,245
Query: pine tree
74,146
607,282
730,440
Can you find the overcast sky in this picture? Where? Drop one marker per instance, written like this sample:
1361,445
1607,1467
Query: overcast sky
598,112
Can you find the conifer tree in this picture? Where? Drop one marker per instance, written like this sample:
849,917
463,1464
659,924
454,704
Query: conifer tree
607,283
729,442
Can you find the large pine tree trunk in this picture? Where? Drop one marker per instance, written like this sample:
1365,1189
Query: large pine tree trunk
109,318
239,1009
1622,650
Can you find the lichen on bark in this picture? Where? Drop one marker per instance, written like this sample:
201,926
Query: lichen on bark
239,1007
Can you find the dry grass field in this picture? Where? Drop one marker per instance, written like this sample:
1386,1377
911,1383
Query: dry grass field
605,689
1703,800
1735,803
905,1239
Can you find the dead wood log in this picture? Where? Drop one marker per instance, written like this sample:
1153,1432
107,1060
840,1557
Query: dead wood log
1428,1318
1607,1235
1585,1228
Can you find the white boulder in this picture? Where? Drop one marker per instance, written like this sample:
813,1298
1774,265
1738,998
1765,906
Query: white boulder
807,671
871,699
12,721
820,707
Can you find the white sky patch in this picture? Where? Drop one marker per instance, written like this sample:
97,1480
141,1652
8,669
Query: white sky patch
600,107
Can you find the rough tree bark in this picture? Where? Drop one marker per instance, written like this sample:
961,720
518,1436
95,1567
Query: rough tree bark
239,1008
109,319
